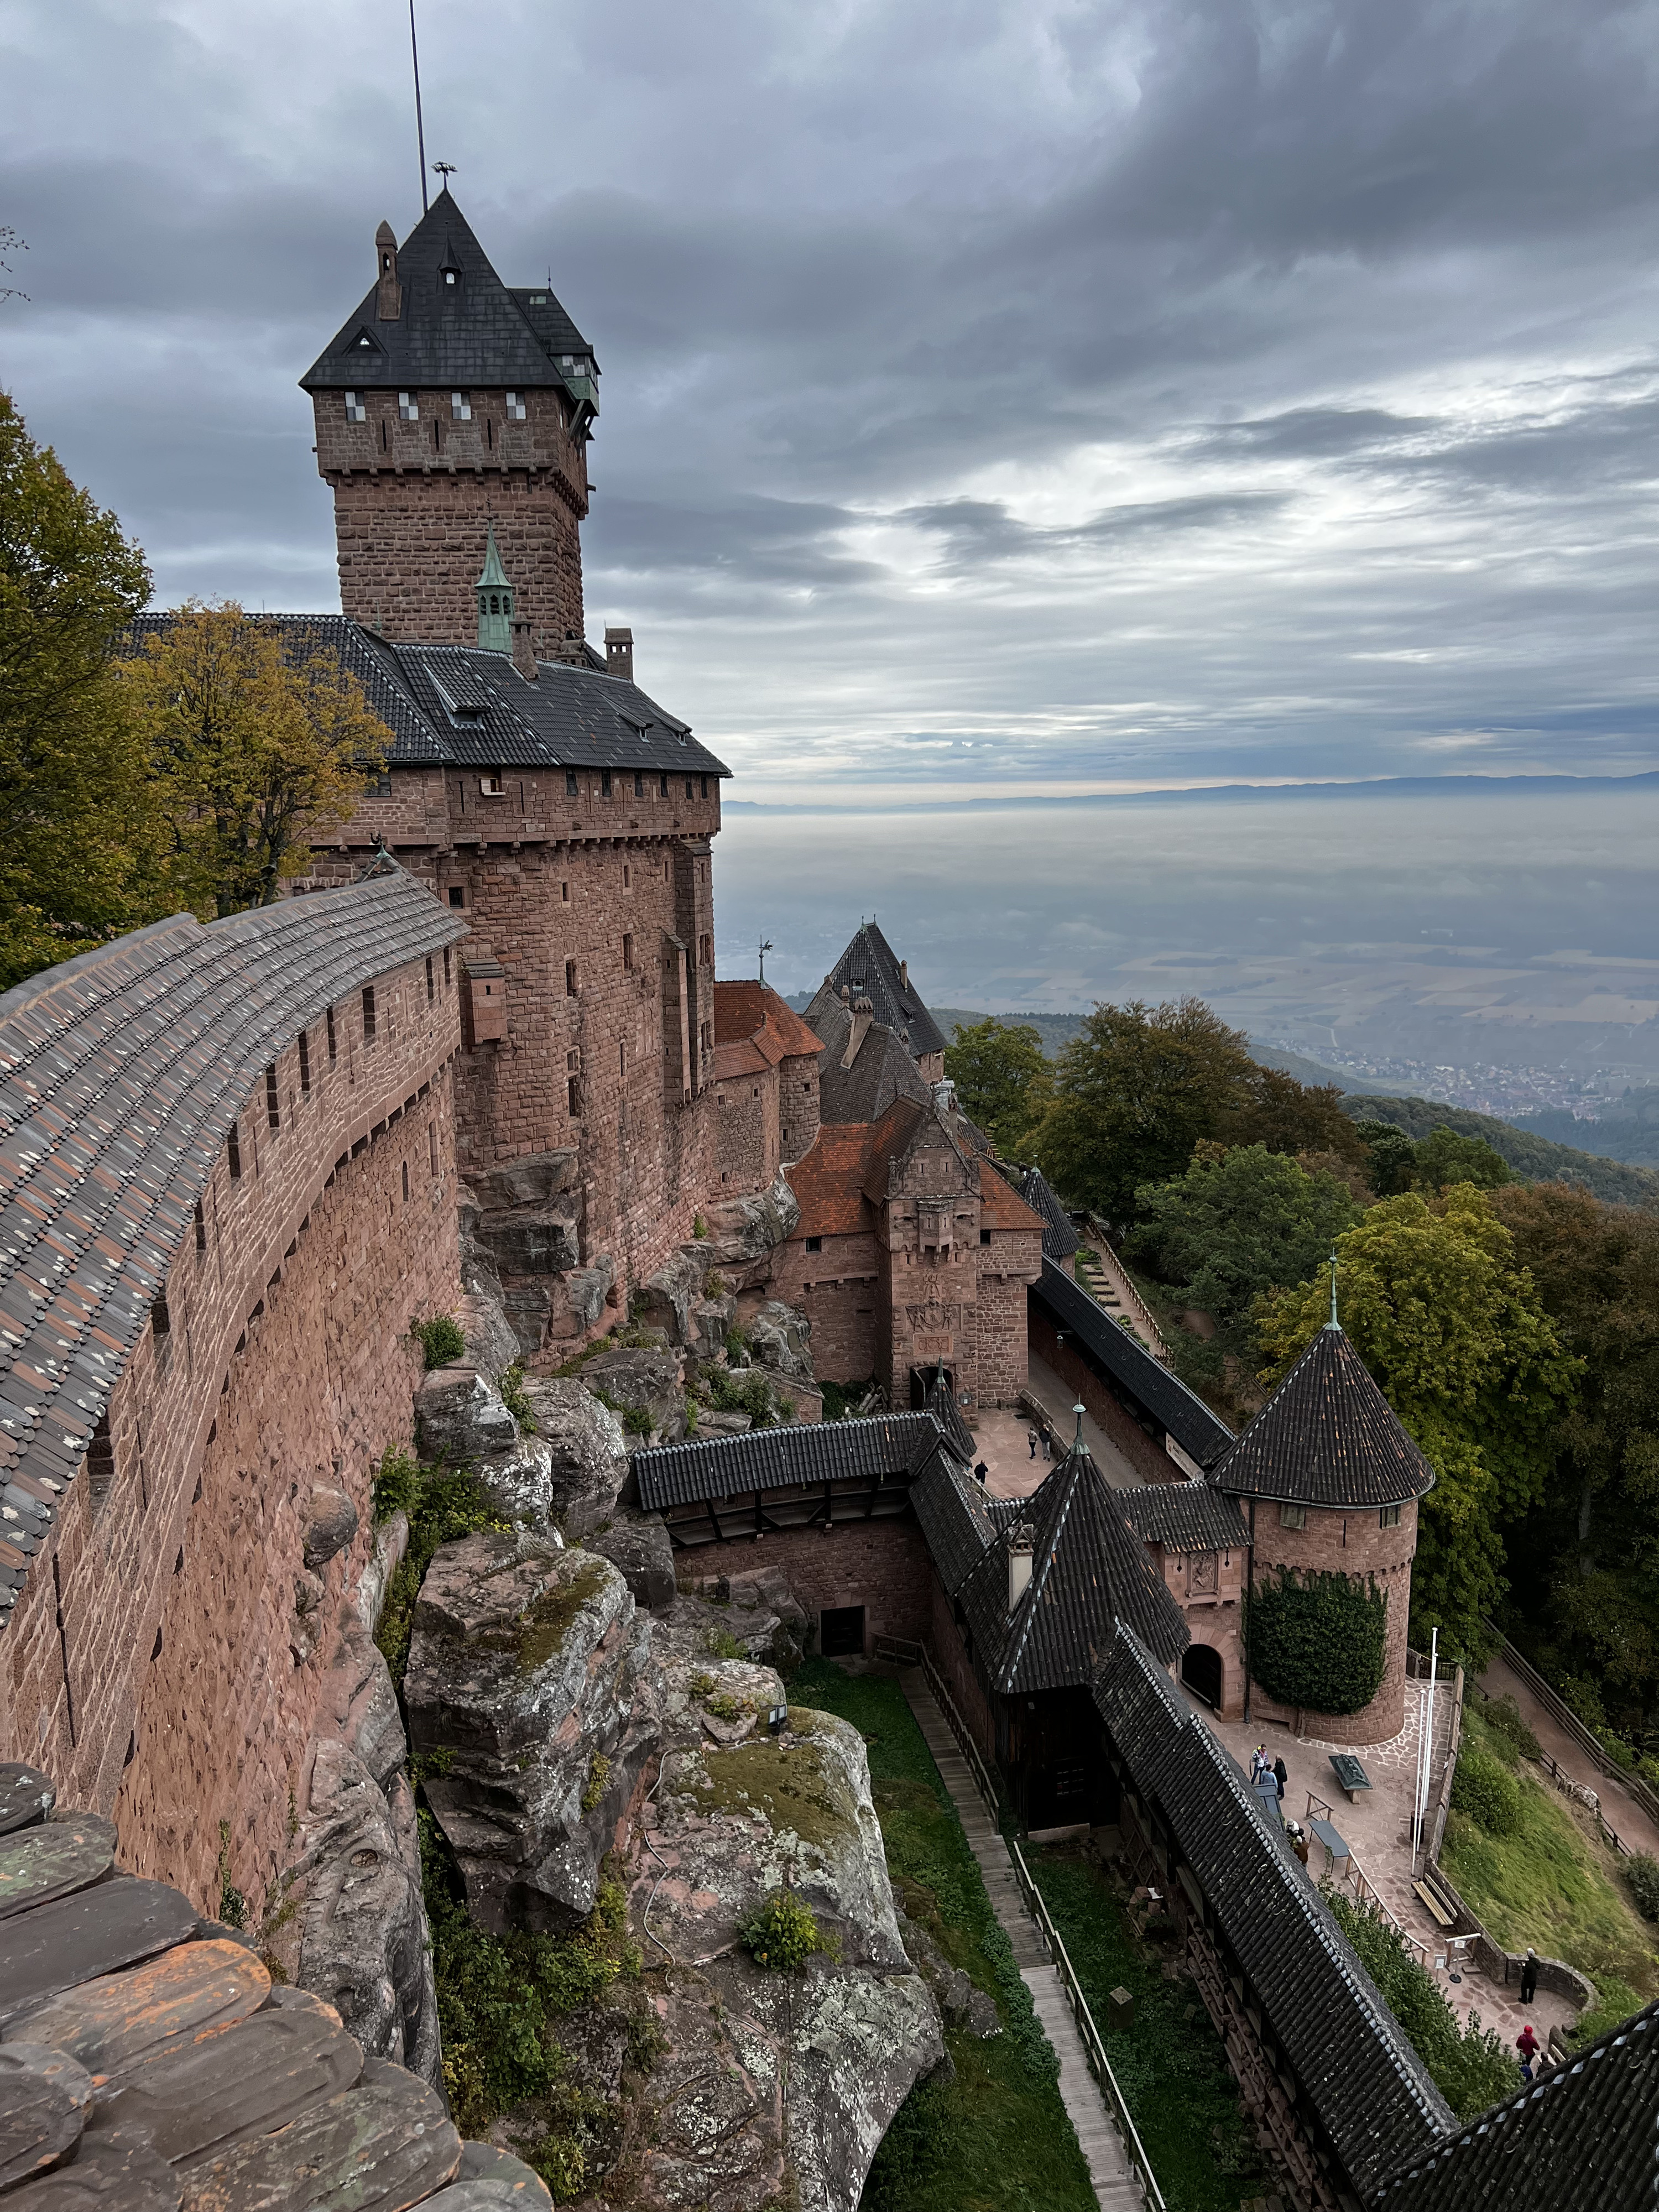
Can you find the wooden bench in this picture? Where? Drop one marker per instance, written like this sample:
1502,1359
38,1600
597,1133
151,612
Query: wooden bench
1350,1774
1435,1906
1333,1843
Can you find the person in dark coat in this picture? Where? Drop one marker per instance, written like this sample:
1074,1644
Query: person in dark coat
1529,1978
1031,1439
1281,1774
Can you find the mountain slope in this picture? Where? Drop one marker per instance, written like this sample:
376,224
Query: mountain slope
1530,1155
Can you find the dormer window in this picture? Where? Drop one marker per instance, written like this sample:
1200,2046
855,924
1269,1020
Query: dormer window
460,406
515,408
408,407
539,299
356,411
451,277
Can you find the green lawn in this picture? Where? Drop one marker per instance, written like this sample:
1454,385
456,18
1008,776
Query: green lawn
1169,2064
997,2139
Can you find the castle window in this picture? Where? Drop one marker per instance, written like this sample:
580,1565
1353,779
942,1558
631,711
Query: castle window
639,785
369,1014
1388,1517
458,895
1293,1516
564,893
570,979
234,1151
452,277
984,1235
705,787
628,951
572,788
628,876
201,1228
355,409
493,786
574,1091
447,972
405,1182
408,410
604,783
431,984
333,1048
460,406
305,1059
689,792
273,1108
815,1243
160,1320
432,1144
380,786
663,791
516,410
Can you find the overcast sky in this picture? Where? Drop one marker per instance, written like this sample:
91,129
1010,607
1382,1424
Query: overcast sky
1025,396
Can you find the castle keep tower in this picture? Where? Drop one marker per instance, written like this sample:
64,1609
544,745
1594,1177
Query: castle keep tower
448,404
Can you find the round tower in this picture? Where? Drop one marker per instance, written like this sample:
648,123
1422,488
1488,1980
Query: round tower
1328,1482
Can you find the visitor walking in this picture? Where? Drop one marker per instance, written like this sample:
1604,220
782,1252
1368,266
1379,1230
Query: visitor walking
1031,1439
1529,1977
1527,2043
1047,1445
1281,1774
1260,1764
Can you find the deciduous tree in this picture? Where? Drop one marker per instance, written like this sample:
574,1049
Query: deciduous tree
1453,1330
1003,1080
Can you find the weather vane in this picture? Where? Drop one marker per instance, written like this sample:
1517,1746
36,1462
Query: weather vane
446,170
765,947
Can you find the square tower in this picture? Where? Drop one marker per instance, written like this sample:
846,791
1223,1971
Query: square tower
450,404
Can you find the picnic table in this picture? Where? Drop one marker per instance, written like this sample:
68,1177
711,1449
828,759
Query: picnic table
1334,1844
1350,1774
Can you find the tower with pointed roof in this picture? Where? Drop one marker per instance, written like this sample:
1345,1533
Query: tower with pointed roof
451,409
1328,1481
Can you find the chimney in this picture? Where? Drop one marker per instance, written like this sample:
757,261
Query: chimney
904,975
570,650
390,297
1020,1544
524,653
619,654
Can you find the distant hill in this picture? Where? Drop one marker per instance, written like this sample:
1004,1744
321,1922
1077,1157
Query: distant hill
1055,1029
1535,1158
1313,1073
1628,1129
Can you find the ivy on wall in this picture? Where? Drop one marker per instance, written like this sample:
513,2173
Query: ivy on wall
1318,1641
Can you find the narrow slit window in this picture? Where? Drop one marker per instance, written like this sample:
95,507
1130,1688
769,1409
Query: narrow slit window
628,951
201,1228
431,981
639,783
448,972
432,1144
160,1320
234,1151
604,783
573,1092
572,788
405,1182
369,1014
570,979
305,1064
273,1103
333,1051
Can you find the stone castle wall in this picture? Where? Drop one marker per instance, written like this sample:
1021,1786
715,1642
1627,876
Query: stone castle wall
159,1662
1147,1456
1346,1543
882,1565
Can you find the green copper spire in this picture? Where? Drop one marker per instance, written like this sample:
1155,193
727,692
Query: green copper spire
494,601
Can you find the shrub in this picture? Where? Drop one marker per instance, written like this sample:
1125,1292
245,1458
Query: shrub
720,1644
444,1503
699,1227
511,1386
783,1935
441,1340
637,1421
725,1707
1512,1738
598,1774
1317,1641
1641,1871
1484,1788
396,1483
233,1905
1471,2067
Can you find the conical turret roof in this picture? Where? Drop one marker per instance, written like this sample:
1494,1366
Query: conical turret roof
1327,1436
1089,1570
493,575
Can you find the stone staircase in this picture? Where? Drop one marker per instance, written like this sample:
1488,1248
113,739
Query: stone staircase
1102,1274
1116,2184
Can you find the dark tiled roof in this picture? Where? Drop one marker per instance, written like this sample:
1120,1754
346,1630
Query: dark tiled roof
882,1070
1059,1239
451,705
1089,1570
1184,1516
940,1402
1372,2092
1129,1369
957,1519
886,1444
475,332
1327,1437
871,969
120,1074
1583,2137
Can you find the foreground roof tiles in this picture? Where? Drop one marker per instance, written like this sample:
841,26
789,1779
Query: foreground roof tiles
1327,1437
886,1444
1060,1240
120,1074
1184,1516
1372,2092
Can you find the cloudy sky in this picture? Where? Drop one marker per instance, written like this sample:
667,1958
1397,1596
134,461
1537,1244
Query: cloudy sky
1009,396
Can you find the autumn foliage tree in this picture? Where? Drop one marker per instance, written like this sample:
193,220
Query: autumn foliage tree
254,753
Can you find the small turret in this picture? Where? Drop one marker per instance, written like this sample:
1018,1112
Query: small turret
389,293
494,601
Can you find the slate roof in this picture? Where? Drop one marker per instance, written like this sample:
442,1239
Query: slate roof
1372,2092
1059,1239
1128,1367
475,332
1184,1516
1089,1570
871,969
888,1445
939,1400
1327,1437
120,1074
459,706
956,1518
882,1069
1583,2137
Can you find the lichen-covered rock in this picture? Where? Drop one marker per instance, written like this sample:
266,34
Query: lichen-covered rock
710,1324
588,1291
461,1417
747,1228
756,1608
492,1342
638,1546
666,1300
641,1381
526,1686
712,1422
851,2033
586,1448
331,1523
779,1339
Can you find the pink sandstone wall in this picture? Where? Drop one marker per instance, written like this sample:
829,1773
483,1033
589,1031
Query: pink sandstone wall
1348,1543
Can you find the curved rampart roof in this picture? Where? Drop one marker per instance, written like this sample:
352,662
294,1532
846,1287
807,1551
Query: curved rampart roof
1327,1436
120,1074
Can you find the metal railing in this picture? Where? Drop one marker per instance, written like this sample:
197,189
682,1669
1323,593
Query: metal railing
1365,1892
1113,1272
1569,1784
1094,2050
1640,1792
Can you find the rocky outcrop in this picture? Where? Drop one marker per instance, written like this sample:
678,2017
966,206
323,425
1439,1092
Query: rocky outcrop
527,1689
756,1609
527,1215
587,1452
638,1546
331,1523
779,1340
521,1260
643,1382
730,1824
462,1418
745,1228
667,1301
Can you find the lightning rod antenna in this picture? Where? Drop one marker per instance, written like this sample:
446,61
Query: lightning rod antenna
420,125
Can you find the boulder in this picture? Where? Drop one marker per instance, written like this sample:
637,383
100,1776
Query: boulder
668,1298
640,1549
461,1416
641,1381
331,1523
710,1324
588,1290
527,1681
587,1452
741,1229
492,1343
531,1180
779,1339
711,1422
758,1611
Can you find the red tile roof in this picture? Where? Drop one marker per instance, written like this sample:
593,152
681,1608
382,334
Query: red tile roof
829,1182
749,1013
